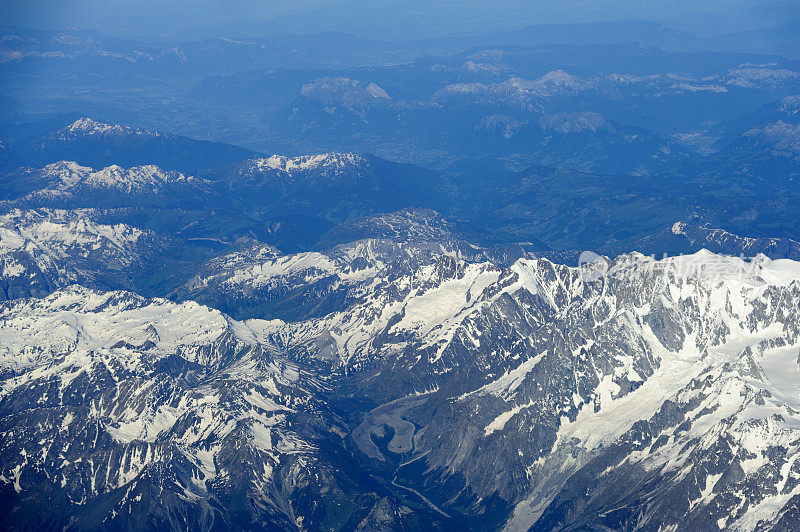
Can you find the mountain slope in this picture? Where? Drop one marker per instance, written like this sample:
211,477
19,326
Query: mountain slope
41,250
693,234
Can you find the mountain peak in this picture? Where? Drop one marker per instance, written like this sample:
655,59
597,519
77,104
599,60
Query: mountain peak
780,139
290,165
790,104
344,91
697,232
574,122
68,174
86,126
558,77
136,177
411,224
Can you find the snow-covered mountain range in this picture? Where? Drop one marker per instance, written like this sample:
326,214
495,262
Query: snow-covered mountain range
412,384
283,343
317,268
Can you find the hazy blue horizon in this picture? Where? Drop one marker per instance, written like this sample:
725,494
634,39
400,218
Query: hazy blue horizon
383,19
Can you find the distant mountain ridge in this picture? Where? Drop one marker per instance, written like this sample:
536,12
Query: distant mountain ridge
99,144
694,233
